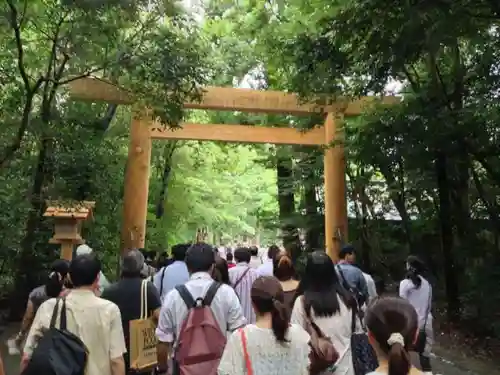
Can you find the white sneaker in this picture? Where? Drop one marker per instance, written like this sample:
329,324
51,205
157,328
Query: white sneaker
429,373
13,349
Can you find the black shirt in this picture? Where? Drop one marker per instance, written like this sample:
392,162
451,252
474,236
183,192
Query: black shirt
126,294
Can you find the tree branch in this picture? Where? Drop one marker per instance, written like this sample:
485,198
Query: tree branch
16,26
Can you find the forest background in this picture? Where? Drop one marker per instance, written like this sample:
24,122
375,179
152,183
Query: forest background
423,177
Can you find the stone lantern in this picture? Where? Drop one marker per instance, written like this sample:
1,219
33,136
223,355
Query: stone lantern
68,219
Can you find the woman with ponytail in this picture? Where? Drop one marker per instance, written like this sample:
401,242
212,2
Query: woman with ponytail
392,330
52,288
418,291
271,346
285,273
322,300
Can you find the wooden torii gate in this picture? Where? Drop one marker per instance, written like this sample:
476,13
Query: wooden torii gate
143,130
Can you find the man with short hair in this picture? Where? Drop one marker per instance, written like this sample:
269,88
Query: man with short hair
175,273
126,294
255,260
350,275
103,281
226,308
266,269
242,277
96,321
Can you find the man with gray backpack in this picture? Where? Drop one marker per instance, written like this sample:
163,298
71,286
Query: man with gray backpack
195,318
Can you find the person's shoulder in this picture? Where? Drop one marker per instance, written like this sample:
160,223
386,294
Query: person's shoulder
49,304
39,291
225,294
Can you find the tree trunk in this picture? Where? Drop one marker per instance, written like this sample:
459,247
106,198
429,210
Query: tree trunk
286,202
447,242
28,263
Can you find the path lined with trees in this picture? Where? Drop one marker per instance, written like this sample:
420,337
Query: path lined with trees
429,165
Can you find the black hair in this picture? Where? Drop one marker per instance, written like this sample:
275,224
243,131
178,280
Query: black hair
220,272
346,250
229,257
283,268
254,251
388,316
58,271
321,287
242,254
179,251
200,257
273,251
84,270
268,297
415,269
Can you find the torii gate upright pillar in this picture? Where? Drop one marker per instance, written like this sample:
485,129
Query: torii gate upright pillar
335,193
136,189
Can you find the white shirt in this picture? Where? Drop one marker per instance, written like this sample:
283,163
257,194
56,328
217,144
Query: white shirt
372,289
225,307
268,357
421,298
96,321
337,327
266,269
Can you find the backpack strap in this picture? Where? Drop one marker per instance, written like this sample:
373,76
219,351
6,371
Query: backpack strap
162,277
241,278
211,292
186,296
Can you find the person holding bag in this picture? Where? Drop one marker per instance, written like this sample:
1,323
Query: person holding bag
271,346
322,299
418,291
139,304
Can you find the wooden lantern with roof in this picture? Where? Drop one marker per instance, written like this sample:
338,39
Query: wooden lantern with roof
68,220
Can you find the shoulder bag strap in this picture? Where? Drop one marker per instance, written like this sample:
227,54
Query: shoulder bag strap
186,296
162,277
211,292
241,278
248,363
144,301
63,322
55,313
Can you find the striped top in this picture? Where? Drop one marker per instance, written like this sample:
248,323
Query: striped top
244,287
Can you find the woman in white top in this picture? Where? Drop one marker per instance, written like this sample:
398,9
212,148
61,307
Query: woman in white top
271,346
392,328
329,305
417,290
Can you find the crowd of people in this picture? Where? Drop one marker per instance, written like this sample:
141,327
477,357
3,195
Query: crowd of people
233,313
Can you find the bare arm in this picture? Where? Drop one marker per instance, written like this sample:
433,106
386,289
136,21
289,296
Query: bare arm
118,366
163,351
28,317
2,372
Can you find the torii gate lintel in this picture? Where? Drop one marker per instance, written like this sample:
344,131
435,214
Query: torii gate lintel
143,130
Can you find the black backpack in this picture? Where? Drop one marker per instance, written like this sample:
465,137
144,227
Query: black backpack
59,352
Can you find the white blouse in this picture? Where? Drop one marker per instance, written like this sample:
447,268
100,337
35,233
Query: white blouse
267,356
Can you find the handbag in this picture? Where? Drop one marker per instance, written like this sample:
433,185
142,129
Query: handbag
142,336
364,359
248,363
323,354
421,342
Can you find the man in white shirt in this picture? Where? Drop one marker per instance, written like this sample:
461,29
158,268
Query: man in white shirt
266,269
97,322
372,289
200,261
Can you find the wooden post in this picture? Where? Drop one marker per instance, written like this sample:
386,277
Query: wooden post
135,199
335,194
